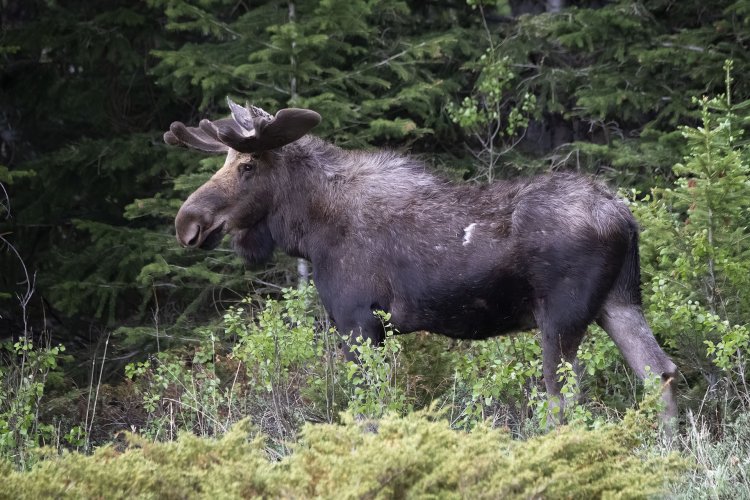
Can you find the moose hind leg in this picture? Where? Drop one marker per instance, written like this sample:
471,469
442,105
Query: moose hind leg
627,327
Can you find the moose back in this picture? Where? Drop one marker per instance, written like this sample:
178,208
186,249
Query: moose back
557,252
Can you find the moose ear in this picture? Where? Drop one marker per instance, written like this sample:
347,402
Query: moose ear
287,126
257,131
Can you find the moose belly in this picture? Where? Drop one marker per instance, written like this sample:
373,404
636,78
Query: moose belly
477,311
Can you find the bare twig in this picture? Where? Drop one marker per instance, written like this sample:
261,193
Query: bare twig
96,395
25,297
7,201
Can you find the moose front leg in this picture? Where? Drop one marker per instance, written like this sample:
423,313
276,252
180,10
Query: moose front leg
359,326
558,345
360,332
351,309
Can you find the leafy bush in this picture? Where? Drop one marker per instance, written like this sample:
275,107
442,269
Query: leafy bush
493,380
255,364
373,379
412,456
23,376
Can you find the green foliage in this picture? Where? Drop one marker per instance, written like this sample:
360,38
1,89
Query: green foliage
280,339
418,457
230,467
608,83
493,380
373,377
23,377
696,248
180,393
8,176
279,368
720,467
494,114
79,108
413,456
500,381
279,54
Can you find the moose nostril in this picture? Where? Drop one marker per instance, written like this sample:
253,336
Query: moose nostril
196,237
191,224
188,233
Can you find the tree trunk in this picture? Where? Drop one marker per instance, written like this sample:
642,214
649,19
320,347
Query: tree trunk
555,6
303,267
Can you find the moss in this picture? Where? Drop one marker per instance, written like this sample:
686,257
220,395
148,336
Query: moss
395,457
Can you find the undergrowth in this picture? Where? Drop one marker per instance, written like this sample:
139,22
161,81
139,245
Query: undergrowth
417,455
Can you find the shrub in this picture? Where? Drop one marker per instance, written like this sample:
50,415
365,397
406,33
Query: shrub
275,365
24,369
412,456
374,383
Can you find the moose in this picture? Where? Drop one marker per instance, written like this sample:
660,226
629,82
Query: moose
556,252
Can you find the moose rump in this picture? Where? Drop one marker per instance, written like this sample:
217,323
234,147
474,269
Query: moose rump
558,252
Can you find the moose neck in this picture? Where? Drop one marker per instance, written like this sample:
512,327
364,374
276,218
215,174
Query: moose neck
302,214
325,193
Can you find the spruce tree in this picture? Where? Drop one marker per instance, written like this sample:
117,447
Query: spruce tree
696,249
609,82
375,75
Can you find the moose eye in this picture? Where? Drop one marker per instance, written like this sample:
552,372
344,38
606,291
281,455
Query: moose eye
246,168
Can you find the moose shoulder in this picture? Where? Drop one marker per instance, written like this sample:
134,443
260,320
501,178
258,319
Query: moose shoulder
558,252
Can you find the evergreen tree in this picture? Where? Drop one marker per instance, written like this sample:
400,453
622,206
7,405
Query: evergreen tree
696,247
609,83
77,100
104,82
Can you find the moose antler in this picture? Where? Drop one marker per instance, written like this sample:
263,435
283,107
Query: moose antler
192,137
249,130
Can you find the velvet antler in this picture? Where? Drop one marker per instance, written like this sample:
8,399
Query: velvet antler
249,130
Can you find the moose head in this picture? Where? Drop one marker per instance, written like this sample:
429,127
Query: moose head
236,199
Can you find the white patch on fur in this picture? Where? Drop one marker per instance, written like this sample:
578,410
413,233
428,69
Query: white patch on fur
468,232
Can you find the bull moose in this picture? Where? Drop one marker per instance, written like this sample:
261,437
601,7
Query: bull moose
557,252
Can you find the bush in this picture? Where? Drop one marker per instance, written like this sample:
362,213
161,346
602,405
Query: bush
263,364
24,370
412,456
375,386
